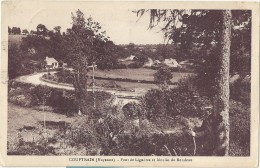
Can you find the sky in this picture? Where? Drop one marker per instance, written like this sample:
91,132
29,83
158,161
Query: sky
121,25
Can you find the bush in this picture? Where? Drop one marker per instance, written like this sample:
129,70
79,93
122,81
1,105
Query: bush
239,129
40,94
135,65
62,101
119,66
183,100
158,66
19,93
163,75
64,76
132,110
22,147
240,90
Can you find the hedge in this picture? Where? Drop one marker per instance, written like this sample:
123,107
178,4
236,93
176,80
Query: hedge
61,100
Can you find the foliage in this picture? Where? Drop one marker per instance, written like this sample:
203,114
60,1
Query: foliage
135,65
14,63
40,94
163,75
18,63
182,100
65,76
83,41
240,90
62,101
9,30
15,30
132,110
36,47
25,31
41,29
239,129
32,148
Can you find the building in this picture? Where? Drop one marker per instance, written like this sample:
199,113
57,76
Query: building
156,62
149,63
51,63
171,63
130,58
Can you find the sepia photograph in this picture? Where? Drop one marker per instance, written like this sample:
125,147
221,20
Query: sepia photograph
130,81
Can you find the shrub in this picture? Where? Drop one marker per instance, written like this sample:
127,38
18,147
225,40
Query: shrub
135,65
158,66
239,128
62,101
182,100
40,94
132,110
119,66
19,93
163,75
64,76
31,148
240,90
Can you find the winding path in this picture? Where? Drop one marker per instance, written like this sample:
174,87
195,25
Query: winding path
35,79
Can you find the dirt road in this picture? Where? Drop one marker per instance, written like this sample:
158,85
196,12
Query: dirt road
35,79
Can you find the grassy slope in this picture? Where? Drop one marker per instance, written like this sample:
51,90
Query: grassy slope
136,74
15,39
18,117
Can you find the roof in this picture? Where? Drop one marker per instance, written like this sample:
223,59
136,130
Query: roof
50,60
130,58
171,62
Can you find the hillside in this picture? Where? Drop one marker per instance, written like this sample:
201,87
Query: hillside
15,39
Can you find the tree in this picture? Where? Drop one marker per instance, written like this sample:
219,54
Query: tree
222,38
221,106
80,43
163,75
39,46
16,30
58,46
57,29
41,29
25,31
9,30
14,61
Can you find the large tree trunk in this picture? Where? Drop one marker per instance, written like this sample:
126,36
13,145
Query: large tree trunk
221,101
80,85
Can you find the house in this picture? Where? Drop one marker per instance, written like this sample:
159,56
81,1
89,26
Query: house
130,58
62,64
149,63
156,62
171,62
51,63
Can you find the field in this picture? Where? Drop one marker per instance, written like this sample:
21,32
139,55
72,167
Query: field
139,87
26,134
20,118
135,74
15,39
125,78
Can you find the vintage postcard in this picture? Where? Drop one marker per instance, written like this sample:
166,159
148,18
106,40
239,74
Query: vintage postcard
112,83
